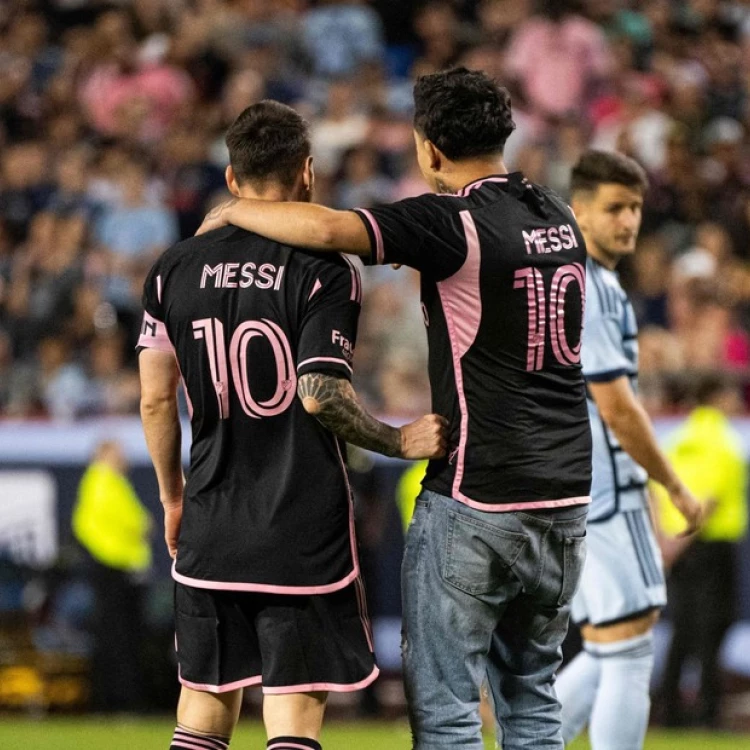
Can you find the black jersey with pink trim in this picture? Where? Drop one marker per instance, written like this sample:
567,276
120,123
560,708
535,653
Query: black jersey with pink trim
267,505
503,267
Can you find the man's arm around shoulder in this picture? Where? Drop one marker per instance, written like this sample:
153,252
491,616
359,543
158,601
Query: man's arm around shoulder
306,225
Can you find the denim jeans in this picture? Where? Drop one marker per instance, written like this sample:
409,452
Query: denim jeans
486,596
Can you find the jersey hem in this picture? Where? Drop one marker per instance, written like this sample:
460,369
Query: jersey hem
331,687
225,688
565,502
264,588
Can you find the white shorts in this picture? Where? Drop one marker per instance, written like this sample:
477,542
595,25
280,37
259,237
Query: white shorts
623,576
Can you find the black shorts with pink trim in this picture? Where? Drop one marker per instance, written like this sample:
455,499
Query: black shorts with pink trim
286,643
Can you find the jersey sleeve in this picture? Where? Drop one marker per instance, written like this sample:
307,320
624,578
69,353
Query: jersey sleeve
153,330
602,355
426,233
329,325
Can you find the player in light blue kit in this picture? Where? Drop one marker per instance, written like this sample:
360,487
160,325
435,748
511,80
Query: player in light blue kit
622,588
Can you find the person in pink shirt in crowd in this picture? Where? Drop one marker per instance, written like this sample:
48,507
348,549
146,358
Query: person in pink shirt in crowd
133,92
558,59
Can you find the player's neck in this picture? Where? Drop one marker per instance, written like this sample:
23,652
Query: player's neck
599,255
269,193
457,175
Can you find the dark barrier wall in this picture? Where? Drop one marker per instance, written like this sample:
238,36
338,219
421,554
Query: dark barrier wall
379,526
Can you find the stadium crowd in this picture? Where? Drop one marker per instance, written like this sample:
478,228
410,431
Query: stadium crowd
111,149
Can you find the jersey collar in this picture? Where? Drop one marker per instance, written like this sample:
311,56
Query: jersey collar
504,180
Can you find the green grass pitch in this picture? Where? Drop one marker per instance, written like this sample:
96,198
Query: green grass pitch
154,734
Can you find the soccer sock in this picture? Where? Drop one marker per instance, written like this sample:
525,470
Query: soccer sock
576,690
293,743
184,739
619,718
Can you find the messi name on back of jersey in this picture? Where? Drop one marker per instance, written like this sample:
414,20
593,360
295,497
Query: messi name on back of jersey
550,239
242,276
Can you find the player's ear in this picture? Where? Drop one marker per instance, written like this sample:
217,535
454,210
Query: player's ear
308,175
231,179
435,157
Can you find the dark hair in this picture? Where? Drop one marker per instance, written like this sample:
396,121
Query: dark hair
463,112
596,168
268,142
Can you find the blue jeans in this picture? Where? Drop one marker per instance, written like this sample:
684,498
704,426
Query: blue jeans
487,596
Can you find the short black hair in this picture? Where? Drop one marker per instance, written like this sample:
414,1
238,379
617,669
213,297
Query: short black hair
463,112
268,142
596,168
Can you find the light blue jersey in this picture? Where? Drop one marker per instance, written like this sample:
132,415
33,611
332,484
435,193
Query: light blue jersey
609,351
623,576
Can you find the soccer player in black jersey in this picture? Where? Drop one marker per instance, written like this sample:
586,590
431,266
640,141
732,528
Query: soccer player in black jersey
268,587
495,550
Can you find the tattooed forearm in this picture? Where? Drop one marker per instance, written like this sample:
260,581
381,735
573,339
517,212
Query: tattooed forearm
333,402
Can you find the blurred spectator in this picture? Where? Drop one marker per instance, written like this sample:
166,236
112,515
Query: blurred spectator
361,183
568,144
133,233
114,527
340,127
115,388
709,457
192,177
442,37
649,298
45,273
702,318
340,35
725,170
558,58
636,123
70,195
24,189
677,192
61,382
130,93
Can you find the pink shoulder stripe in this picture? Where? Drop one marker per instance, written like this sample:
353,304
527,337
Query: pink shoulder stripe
462,307
356,295
379,247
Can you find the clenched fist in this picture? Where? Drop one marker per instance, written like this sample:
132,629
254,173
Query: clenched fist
425,438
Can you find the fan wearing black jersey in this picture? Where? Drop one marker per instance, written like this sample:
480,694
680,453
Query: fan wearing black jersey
268,589
496,545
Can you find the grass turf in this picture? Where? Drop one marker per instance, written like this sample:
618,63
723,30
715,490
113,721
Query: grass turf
154,734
